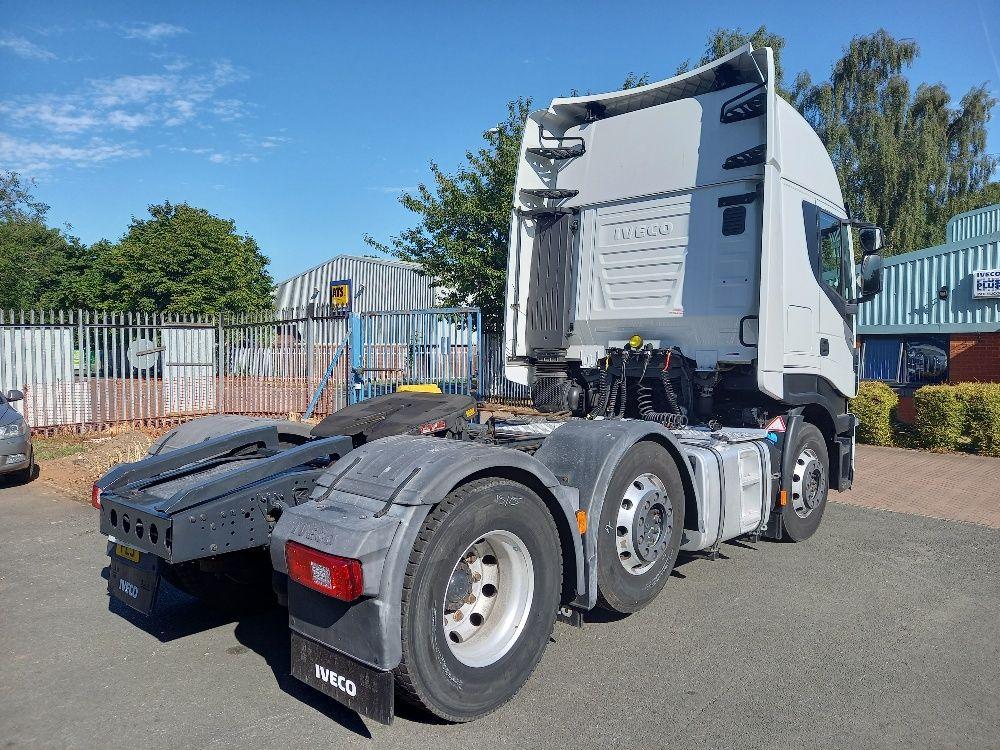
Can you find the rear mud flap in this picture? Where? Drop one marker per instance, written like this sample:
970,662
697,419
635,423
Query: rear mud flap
134,582
361,688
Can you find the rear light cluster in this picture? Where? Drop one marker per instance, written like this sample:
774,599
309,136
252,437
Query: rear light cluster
95,497
339,577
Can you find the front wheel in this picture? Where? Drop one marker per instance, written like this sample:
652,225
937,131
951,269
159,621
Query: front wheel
810,484
479,599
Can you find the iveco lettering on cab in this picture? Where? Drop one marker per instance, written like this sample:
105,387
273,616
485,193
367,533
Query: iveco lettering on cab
681,300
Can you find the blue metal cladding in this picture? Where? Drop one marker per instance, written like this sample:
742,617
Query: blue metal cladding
973,224
910,302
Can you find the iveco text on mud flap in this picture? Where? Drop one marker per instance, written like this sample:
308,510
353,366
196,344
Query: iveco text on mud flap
133,578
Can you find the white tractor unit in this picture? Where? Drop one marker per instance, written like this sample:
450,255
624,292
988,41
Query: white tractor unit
681,300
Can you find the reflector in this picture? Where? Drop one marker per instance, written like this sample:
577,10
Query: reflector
95,497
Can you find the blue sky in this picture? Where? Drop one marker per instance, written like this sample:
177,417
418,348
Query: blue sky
304,121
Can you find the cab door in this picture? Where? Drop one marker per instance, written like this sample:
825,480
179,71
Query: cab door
832,259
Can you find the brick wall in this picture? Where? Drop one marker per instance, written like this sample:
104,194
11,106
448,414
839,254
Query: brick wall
974,356
905,411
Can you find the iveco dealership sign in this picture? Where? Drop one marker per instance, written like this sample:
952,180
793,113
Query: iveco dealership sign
986,283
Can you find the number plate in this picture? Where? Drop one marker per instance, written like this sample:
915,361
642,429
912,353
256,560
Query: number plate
359,687
134,583
128,553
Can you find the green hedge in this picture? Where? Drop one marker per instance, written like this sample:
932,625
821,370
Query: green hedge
941,416
948,417
982,412
873,407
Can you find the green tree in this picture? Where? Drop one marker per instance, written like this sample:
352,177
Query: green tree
39,266
182,259
17,202
722,41
905,159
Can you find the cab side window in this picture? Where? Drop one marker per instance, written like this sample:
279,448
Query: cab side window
831,252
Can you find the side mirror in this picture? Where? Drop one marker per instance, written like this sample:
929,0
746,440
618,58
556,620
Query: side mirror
872,240
15,395
871,278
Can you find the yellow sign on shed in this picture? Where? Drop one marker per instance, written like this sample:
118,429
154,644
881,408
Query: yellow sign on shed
340,294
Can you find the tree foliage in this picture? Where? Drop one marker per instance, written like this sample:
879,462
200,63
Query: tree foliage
181,259
722,41
905,159
17,203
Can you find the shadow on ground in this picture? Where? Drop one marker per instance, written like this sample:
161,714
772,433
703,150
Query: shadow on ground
178,615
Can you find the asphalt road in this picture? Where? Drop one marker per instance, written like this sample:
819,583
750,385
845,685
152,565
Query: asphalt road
882,631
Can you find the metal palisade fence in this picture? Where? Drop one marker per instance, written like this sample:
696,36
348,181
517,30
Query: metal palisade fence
85,370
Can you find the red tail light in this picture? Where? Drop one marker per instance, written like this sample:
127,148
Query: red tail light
339,577
95,497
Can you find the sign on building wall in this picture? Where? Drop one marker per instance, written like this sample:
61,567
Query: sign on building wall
340,294
986,283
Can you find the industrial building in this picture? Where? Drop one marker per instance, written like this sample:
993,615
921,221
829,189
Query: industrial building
938,316
362,284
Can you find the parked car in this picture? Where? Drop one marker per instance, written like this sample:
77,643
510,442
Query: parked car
17,457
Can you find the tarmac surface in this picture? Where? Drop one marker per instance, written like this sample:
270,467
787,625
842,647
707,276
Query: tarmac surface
883,631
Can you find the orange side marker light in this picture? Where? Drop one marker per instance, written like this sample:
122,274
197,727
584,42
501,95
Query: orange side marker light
581,521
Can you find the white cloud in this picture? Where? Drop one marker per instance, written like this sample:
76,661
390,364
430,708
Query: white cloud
128,102
96,122
22,47
230,109
151,32
233,158
32,157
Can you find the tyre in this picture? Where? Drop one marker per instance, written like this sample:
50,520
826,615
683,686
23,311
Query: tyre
640,530
480,595
810,484
242,585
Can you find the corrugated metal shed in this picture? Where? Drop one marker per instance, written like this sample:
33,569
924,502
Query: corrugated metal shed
376,284
909,302
978,223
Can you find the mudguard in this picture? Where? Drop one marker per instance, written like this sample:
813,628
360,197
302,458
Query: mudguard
584,454
370,507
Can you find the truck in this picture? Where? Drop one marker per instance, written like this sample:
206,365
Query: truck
681,297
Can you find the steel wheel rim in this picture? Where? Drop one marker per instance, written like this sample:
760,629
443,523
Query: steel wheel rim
645,523
808,483
488,598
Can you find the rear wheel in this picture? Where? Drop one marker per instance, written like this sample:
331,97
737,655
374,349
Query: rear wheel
810,484
640,531
479,599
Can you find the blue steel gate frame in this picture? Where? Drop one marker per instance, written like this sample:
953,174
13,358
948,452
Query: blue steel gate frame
437,346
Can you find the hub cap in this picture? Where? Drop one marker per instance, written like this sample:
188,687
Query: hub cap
808,483
488,598
645,523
